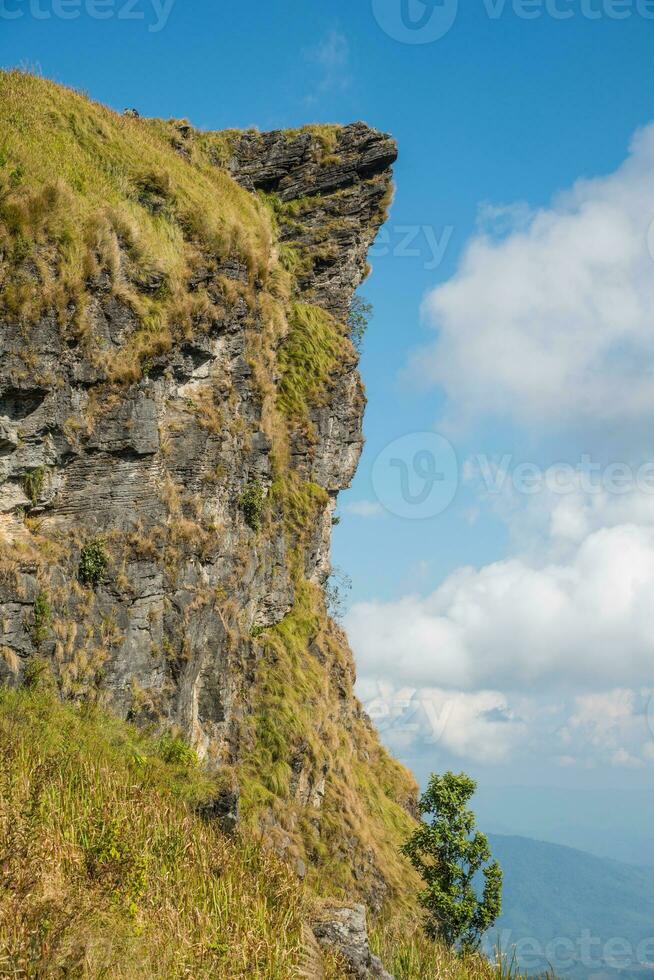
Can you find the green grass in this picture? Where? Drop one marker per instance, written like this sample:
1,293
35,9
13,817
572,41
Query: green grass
325,133
304,672
308,359
86,193
109,872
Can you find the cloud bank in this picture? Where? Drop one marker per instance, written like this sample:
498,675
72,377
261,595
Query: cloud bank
548,323
552,322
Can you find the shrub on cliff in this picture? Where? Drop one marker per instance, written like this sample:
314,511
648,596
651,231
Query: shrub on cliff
449,854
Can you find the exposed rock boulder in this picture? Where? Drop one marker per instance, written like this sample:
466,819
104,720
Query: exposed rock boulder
344,931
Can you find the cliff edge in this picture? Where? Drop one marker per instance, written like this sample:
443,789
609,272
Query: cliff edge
179,407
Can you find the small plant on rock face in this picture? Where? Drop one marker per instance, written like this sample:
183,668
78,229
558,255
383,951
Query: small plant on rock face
33,484
449,855
251,503
358,319
337,589
93,562
38,675
176,751
42,615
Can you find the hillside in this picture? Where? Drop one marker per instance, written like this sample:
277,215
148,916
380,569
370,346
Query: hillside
108,871
558,893
114,866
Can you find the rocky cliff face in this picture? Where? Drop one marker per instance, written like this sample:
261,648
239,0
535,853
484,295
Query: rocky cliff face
172,442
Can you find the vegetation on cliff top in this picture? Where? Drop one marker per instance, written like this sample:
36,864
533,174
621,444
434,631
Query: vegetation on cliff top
88,196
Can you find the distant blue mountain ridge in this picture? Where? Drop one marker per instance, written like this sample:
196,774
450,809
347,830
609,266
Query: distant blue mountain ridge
586,917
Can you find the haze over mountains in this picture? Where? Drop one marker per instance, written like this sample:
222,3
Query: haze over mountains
586,917
617,824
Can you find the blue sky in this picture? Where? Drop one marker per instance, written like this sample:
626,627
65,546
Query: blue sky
501,109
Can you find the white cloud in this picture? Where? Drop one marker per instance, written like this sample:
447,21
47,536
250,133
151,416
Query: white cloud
332,59
479,726
616,724
563,628
511,625
553,322
551,523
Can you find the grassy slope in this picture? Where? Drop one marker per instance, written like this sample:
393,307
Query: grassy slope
106,871
87,194
109,871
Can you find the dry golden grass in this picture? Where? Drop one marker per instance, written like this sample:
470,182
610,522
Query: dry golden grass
295,710
409,955
107,872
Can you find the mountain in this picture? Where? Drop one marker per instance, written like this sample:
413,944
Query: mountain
574,817
588,917
180,406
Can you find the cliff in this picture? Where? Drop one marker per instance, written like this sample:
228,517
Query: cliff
179,407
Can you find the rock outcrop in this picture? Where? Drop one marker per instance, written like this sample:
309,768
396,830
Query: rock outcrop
171,448
344,931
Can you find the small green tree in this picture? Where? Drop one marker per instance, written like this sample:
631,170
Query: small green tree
93,561
448,853
252,502
358,319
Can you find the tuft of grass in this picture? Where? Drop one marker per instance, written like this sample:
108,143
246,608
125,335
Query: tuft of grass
409,955
33,482
326,134
42,618
315,346
107,871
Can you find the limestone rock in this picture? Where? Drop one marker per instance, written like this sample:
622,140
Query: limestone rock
344,931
